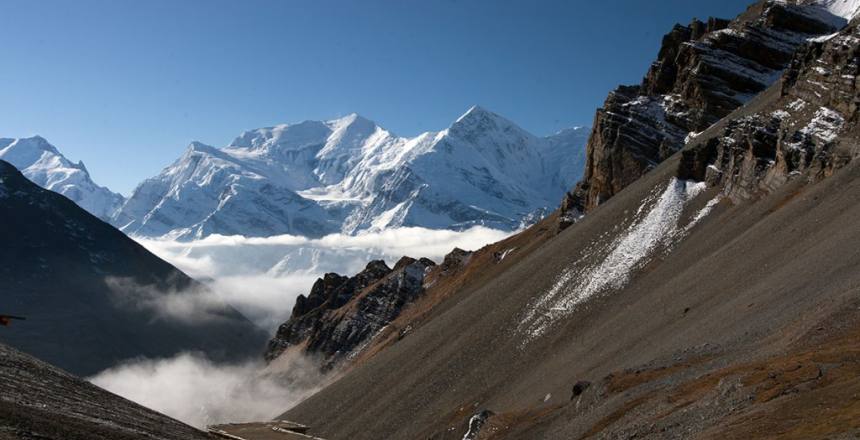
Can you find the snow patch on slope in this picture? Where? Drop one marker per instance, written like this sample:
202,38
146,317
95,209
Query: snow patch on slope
633,249
825,125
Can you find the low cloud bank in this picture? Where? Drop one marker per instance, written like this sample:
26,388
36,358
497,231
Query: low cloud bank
261,277
193,305
192,389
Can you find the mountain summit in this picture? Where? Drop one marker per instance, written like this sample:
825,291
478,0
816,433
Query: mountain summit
42,163
349,174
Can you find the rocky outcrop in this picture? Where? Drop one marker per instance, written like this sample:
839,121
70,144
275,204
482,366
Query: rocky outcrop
804,133
341,314
333,291
703,72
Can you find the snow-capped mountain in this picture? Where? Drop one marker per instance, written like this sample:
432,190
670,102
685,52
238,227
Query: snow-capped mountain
349,175
43,164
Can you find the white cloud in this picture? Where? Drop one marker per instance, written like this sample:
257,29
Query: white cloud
261,277
191,305
192,389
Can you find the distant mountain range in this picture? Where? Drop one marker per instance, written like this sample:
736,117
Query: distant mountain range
343,175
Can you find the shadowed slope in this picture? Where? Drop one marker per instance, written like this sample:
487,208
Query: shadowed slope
39,401
93,296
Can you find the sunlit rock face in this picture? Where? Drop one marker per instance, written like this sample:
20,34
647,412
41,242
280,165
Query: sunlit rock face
703,72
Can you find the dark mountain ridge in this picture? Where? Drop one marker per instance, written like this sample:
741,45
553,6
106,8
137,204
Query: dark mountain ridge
40,401
92,296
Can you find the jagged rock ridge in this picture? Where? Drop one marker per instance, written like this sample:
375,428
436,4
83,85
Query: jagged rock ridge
703,72
801,135
341,314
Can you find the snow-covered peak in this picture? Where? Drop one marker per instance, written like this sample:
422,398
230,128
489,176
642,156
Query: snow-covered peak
43,164
284,137
475,111
350,120
349,174
480,120
348,133
23,152
351,129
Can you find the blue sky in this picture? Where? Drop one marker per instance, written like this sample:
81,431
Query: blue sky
126,85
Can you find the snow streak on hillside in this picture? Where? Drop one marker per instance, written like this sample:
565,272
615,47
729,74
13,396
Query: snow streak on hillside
652,229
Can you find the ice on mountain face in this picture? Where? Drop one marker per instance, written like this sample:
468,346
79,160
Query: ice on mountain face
350,175
835,12
653,229
847,9
45,166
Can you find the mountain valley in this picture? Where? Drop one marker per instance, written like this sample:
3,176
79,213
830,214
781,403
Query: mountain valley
687,268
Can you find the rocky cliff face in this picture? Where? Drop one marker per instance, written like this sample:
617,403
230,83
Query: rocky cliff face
703,72
800,135
341,313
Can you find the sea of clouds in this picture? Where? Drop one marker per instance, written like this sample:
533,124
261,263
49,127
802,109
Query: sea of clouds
260,277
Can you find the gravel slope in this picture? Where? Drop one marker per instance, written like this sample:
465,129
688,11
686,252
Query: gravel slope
39,401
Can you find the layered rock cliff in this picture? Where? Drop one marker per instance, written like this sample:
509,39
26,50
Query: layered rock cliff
703,72
801,134
340,313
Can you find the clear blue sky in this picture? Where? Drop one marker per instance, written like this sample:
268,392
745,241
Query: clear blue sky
126,85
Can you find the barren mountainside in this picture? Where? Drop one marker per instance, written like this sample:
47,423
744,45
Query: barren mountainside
40,401
715,296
